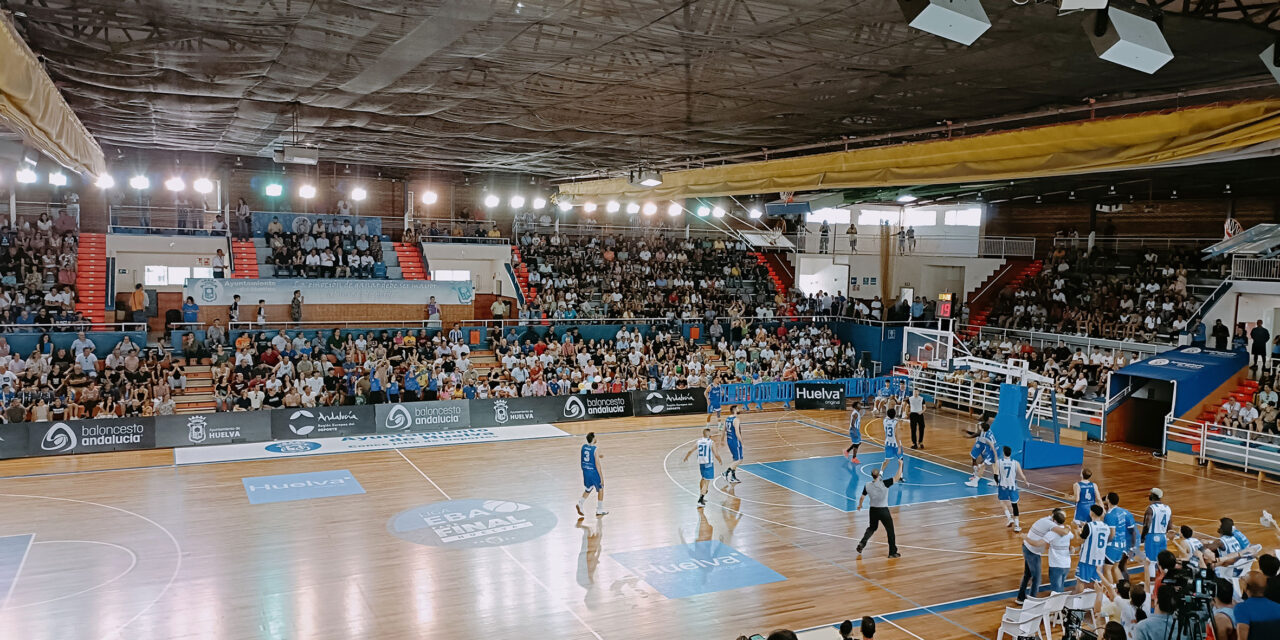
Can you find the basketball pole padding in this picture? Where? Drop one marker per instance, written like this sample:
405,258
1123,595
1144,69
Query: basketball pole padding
1012,428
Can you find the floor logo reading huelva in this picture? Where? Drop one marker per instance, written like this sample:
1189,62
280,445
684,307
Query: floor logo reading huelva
472,523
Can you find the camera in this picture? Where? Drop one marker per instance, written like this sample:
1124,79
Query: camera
1072,626
1194,590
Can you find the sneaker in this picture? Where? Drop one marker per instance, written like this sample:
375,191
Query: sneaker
702,501
895,555
971,482
579,508
601,514
856,461
1008,524
913,446
921,445
859,550
734,480
1017,527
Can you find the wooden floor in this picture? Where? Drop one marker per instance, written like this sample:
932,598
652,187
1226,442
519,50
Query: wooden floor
158,551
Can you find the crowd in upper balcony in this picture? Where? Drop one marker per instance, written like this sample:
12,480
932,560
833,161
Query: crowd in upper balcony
38,266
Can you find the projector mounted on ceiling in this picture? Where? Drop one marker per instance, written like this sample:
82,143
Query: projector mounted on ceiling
297,155
644,176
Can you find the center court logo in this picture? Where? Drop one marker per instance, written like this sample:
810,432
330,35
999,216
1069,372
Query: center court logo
472,523
59,438
398,419
574,409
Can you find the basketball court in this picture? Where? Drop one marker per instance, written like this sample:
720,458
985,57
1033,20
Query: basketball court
482,540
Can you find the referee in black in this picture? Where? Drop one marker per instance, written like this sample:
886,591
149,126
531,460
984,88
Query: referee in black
878,492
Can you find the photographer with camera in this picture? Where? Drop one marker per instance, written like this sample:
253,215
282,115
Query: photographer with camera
1161,625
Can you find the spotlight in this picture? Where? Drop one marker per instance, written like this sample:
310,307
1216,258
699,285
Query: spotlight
358,194
58,179
674,209
645,177
175,184
633,208
140,182
650,208
718,212
202,185
703,211
517,202
1111,190
273,190
491,201
1038,200
307,191
612,206
907,198
1128,39
564,205
589,207
755,214
105,181
26,176
539,203
1071,196
1227,189
957,20
1174,195
429,197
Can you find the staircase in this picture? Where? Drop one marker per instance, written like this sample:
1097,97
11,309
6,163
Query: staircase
91,278
980,301
1243,393
522,274
198,397
410,256
244,259
779,272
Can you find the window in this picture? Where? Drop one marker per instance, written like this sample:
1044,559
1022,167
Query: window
201,272
830,215
877,216
178,275
963,217
456,275
156,276
920,217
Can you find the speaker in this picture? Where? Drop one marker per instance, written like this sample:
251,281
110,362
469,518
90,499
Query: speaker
866,361
1128,39
959,20
1272,62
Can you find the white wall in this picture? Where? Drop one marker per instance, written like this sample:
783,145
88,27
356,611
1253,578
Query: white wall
929,276
134,252
1247,302
937,239
484,261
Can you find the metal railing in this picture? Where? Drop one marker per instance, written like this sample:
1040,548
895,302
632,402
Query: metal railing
66,328
1253,452
922,245
423,237
659,228
1120,243
1007,246
1243,268
568,322
167,221
984,397
1041,339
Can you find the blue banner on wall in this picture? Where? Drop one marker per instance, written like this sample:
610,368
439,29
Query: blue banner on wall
302,222
1196,372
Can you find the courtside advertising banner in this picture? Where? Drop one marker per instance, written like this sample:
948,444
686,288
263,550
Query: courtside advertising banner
819,395
91,436
502,412
322,422
201,429
673,401
440,415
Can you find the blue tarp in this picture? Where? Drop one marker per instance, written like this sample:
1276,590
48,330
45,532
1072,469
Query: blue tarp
1196,372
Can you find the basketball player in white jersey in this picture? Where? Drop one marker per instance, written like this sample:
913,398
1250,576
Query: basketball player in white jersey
1094,539
892,448
1155,529
706,449
1008,473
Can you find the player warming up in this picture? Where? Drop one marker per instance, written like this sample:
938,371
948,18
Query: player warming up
592,476
705,448
892,448
1155,529
1094,539
732,439
713,398
855,432
1085,494
1009,472
983,452
1124,540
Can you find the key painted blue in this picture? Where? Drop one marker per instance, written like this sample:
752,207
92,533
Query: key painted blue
685,570
301,486
13,552
835,481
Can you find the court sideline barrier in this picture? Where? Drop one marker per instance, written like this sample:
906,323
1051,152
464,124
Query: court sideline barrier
758,393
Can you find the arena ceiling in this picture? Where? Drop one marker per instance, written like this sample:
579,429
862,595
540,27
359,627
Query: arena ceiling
558,88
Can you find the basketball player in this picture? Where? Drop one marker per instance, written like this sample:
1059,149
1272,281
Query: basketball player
892,448
1085,494
592,476
884,399
706,448
1094,539
732,439
983,452
1008,472
713,399
855,432
1155,526
1123,542
1193,551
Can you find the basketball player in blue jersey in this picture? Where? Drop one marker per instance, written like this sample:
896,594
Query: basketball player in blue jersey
983,452
884,398
706,449
855,432
1123,541
592,476
1094,539
1155,529
1085,494
713,398
1008,473
892,448
732,440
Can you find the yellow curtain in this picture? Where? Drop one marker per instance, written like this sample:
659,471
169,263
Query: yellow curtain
31,105
1126,142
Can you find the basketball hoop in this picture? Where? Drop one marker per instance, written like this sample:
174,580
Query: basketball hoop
787,196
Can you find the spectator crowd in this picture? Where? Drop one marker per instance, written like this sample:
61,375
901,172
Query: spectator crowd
333,248
38,273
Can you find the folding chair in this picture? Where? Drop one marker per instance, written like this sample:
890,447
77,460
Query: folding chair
1084,601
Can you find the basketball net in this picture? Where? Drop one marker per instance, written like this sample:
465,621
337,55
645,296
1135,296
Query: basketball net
787,196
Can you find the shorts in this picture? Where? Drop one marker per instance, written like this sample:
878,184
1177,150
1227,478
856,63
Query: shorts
713,407
1087,574
892,451
855,437
1153,545
1010,495
1114,554
981,452
735,449
708,471
591,481
1082,512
